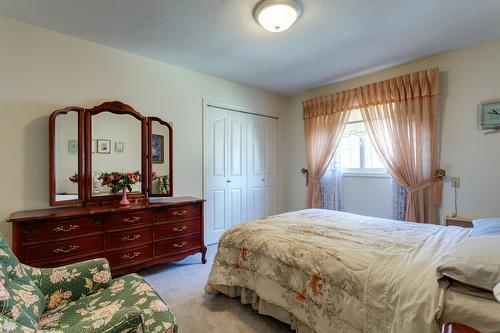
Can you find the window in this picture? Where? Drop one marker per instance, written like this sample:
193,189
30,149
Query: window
356,153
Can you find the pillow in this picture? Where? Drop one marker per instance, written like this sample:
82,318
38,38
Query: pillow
474,261
496,291
483,227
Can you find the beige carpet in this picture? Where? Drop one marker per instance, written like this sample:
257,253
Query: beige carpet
181,286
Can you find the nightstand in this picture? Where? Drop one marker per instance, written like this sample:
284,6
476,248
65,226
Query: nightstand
457,221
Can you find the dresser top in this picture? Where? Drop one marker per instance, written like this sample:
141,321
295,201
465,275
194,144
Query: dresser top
57,213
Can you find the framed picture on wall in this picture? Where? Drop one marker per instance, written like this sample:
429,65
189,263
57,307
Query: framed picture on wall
488,115
157,155
73,147
119,147
103,146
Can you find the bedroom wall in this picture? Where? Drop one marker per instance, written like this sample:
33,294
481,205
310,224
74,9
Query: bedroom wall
41,71
469,76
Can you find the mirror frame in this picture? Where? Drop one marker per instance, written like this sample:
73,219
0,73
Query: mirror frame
150,160
52,157
118,108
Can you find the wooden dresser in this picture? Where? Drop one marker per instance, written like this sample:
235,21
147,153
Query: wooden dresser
131,238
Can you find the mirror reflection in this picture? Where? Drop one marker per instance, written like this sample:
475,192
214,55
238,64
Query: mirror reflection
160,159
66,156
116,149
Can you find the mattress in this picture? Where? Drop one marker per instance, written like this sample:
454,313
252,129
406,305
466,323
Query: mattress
339,272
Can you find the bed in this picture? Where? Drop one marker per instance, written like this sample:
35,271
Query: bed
328,271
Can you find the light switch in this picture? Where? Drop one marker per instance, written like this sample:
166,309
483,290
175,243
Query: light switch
455,181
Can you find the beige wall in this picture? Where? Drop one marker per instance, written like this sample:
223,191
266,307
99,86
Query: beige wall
468,77
42,71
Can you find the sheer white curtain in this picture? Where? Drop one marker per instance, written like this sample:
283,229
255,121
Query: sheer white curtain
331,186
399,200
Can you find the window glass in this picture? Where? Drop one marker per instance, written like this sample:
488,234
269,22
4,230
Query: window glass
356,152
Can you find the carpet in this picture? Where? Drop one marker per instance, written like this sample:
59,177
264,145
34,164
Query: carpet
181,284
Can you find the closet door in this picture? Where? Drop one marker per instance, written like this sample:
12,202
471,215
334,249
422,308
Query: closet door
215,165
271,165
255,168
225,171
236,168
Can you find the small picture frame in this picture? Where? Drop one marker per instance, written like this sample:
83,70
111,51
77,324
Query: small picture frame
73,147
103,146
119,147
157,145
488,115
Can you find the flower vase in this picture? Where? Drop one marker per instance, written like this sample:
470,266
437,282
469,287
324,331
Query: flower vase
124,201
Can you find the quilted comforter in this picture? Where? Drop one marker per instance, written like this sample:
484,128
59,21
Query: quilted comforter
339,272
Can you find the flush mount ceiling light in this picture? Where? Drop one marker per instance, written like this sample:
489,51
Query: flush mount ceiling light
277,15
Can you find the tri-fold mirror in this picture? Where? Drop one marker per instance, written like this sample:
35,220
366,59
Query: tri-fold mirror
89,147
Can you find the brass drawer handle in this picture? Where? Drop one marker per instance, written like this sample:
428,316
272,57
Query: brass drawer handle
128,256
179,229
70,249
179,245
180,212
62,229
131,219
130,239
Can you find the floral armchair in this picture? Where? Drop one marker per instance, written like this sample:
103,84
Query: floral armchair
77,298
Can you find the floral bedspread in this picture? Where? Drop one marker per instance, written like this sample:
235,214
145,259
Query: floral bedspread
340,272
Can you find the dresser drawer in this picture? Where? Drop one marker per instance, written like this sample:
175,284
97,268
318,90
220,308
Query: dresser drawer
174,229
177,213
63,261
140,217
123,257
62,228
63,249
177,245
120,239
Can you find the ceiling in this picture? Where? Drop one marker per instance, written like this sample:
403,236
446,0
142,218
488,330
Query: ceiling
333,40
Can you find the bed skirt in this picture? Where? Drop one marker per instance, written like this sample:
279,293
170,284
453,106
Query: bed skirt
248,296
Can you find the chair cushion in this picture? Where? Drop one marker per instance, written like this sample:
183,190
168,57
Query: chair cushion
94,312
20,298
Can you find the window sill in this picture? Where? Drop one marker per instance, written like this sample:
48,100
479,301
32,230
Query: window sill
366,174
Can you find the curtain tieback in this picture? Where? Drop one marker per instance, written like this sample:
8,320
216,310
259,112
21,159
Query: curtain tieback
434,184
313,181
421,186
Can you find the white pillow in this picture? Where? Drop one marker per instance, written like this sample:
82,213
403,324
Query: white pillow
496,291
474,261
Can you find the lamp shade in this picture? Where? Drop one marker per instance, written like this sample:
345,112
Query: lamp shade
277,15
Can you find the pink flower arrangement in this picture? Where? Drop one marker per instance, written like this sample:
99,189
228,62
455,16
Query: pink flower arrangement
162,182
119,180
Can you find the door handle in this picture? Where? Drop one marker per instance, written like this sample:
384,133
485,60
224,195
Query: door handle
263,179
228,180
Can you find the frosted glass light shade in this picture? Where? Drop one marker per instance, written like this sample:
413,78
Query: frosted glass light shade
277,15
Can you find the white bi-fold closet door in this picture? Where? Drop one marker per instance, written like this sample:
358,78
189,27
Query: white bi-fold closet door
240,169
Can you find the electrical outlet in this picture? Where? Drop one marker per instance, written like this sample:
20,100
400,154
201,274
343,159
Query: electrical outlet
455,181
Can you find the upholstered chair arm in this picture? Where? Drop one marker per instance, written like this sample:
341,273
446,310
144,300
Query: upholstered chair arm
11,326
64,284
125,320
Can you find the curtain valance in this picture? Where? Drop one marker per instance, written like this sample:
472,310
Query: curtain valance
406,87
